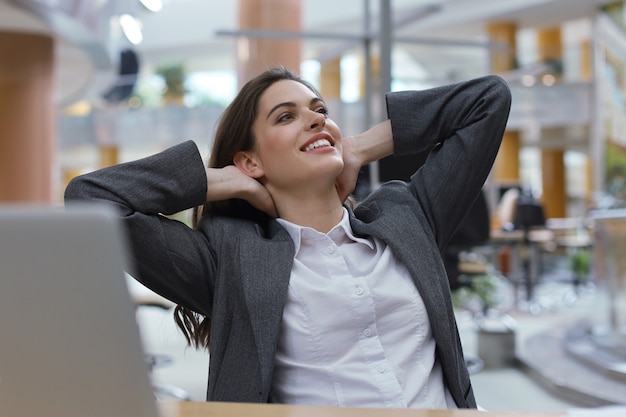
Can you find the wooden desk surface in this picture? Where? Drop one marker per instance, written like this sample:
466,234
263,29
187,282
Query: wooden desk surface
217,409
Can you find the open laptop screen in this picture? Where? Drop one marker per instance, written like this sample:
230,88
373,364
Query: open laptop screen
69,341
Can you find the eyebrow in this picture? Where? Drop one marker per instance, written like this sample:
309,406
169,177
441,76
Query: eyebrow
291,104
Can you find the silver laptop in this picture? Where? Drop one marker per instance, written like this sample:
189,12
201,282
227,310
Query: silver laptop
69,341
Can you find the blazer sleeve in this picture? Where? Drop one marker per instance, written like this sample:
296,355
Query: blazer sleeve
167,256
461,127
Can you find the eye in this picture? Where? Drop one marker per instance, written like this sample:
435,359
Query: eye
284,117
323,110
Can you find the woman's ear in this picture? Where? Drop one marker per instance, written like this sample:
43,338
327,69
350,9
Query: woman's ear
247,162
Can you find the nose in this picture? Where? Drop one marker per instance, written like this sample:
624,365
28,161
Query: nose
318,120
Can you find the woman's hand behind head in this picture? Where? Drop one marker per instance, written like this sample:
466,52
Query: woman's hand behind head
346,181
230,182
361,149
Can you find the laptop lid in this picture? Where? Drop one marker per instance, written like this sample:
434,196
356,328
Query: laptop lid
69,341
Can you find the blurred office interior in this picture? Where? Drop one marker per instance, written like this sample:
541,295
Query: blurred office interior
90,83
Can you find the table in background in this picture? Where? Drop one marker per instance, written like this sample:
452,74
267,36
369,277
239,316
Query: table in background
525,258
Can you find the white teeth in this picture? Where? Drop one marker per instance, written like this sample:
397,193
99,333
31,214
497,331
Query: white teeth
317,144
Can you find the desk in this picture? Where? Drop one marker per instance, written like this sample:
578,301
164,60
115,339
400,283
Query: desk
525,260
217,409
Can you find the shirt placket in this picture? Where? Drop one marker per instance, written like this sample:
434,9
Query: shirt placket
358,295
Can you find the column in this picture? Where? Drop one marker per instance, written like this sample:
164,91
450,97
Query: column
108,155
27,139
330,79
554,195
503,33
587,75
586,61
254,55
330,88
553,181
549,45
506,168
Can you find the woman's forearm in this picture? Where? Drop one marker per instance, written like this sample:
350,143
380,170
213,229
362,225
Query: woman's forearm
375,143
166,182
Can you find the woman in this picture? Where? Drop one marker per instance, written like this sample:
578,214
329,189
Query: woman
311,301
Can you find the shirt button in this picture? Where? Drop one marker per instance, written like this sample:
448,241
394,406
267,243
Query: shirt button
381,369
367,332
330,250
359,291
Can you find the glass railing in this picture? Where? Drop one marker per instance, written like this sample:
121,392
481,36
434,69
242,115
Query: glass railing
562,104
147,129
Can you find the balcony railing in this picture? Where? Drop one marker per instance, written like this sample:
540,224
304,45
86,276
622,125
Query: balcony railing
564,104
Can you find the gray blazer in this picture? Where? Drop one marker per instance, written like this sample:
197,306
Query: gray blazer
236,271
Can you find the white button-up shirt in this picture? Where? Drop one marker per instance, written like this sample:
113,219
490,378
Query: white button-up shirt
355,331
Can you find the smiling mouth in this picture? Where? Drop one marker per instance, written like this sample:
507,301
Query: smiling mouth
317,144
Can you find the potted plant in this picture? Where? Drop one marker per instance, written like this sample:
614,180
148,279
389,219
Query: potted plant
487,296
174,77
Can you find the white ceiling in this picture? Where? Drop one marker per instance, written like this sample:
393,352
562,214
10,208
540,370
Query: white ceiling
187,30
188,27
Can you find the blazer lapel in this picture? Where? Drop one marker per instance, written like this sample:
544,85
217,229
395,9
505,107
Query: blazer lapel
265,270
410,245
400,229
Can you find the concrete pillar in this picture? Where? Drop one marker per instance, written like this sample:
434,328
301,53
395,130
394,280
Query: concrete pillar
554,195
27,114
254,55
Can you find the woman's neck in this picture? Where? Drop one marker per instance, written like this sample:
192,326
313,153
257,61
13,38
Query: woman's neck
321,212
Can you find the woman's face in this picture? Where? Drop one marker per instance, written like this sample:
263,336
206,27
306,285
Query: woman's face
296,142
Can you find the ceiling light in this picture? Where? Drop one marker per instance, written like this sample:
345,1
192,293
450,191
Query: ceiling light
131,28
152,5
548,80
528,80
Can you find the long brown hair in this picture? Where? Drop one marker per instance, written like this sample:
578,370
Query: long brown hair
233,134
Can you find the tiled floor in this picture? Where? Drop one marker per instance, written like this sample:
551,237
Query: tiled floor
508,388
515,387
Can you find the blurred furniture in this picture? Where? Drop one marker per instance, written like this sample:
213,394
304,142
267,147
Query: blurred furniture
529,217
573,240
523,230
610,271
145,298
525,258
471,233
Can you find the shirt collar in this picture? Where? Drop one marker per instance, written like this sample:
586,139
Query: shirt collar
296,231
